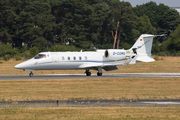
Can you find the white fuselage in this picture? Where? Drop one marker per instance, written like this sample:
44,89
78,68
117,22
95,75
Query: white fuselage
74,60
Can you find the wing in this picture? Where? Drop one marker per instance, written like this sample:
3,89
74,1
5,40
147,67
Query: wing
95,66
109,68
106,66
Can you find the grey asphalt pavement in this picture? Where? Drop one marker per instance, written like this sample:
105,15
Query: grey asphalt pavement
94,103
83,76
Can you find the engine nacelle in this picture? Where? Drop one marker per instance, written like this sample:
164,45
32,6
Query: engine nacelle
115,54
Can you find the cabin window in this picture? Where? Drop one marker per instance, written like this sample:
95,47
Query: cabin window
80,58
68,58
40,56
85,57
74,58
62,58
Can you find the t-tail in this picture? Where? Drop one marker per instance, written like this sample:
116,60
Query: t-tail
142,48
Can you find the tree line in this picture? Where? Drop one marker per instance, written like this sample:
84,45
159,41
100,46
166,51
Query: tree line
31,26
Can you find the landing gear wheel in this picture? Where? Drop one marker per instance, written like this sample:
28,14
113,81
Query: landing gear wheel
30,74
99,74
87,72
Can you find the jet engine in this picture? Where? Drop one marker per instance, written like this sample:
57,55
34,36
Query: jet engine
114,54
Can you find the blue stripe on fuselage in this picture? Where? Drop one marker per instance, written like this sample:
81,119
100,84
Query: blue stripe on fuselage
85,61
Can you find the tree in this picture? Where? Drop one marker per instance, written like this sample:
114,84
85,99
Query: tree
33,22
152,10
41,43
7,17
169,21
173,42
82,20
143,25
163,18
122,17
56,11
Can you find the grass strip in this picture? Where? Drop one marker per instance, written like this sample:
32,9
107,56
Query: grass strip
109,113
78,89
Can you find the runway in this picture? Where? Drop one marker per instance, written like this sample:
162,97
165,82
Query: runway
94,103
83,76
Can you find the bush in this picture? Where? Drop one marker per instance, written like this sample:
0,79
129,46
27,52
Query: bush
27,54
105,46
7,49
24,49
41,43
18,57
126,46
34,51
63,48
6,57
156,57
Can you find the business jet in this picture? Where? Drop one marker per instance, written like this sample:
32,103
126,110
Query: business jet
107,59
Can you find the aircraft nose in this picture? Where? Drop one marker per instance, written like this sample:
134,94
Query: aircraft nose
18,66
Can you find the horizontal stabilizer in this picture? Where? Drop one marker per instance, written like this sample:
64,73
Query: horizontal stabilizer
145,58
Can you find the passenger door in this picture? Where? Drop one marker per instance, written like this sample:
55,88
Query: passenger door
55,58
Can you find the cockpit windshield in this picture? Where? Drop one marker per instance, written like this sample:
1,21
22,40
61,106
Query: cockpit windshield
40,56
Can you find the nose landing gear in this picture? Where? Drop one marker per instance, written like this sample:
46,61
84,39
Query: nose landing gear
31,74
99,71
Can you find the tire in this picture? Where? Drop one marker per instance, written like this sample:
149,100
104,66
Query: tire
88,74
30,74
99,74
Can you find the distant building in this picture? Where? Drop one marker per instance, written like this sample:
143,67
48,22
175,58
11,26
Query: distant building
176,8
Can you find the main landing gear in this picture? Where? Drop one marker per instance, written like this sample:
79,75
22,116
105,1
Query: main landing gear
87,72
31,74
99,73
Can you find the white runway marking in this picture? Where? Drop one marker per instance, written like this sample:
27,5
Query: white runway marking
163,103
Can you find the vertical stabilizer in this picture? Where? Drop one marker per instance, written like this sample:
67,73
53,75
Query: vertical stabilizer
143,48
